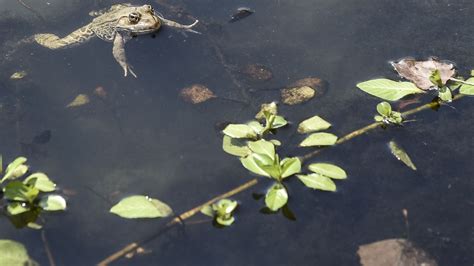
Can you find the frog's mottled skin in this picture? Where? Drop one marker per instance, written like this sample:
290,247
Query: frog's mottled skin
117,25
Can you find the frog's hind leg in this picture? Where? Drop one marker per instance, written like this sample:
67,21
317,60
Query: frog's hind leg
52,41
180,26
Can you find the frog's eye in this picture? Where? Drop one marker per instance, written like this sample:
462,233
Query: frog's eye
150,8
134,17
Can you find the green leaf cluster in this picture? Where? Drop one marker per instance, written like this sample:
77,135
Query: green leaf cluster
322,176
312,124
221,211
387,115
24,196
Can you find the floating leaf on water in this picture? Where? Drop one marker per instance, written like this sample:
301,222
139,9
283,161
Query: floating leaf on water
53,203
278,122
466,88
17,191
329,170
207,210
80,99
14,254
235,147
101,92
290,166
18,75
41,182
15,208
276,197
34,226
263,147
319,139
393,252
312,124
138,206
256,162
388,89
256,126
15,169
197,93
401,155
384,108
317,181
445,94
239,131
316,84
297,95
242,12
421,72
258,72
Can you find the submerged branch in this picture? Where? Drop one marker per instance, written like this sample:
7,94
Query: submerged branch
184,216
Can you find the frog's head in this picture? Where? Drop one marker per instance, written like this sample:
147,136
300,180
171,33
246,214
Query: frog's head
140,20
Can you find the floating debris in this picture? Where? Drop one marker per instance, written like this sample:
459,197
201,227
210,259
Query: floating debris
258,72
80,99
393,252
242,12
401,155
297,95
101,92
18,75
197,93
420,72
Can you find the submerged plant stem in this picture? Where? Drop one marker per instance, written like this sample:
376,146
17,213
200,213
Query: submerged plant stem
375,125
47,249
183,216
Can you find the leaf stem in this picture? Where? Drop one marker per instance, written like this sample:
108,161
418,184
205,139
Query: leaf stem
375,125
462,81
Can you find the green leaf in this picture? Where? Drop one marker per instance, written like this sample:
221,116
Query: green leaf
276,197
329,170
290,166
319,139
317,181
14,254
235,147
384,108
401,155
225,221
388,89
207,210
256,126
275,142
240,131
224,207
278,122
138,206
52,203
265,109
396,117
41,182
445,94
253,163
263,147
312,124
15,169
15,208
466,88
435,78
378,118
18,191
34,226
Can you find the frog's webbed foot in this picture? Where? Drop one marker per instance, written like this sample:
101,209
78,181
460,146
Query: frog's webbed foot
180,26
118,51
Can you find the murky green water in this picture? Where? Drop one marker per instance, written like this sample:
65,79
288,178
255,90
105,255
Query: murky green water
144,139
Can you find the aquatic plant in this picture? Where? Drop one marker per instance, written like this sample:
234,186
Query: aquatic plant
221,211
26,196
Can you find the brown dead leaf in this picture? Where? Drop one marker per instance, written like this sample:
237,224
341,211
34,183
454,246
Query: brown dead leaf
197,93
297,95
419,72
393,252
258,72
80,99
101,92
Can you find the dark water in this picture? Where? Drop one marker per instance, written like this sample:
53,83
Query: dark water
144,139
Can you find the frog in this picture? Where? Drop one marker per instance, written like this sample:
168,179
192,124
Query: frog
118,24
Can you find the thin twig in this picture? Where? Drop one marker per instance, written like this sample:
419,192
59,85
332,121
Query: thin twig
462,81
184,216
47,249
